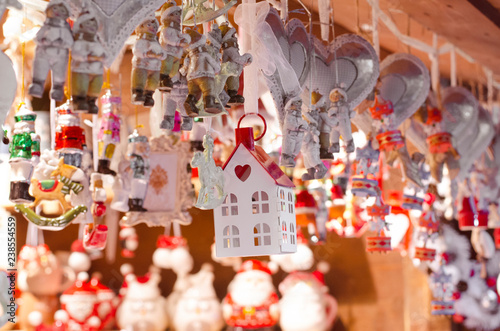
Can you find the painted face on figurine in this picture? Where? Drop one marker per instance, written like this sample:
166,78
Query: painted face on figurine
296,105
174,17
139,148
336,96
57,11
150,27
89,26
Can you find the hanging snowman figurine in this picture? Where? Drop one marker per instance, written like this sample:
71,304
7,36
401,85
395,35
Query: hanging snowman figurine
294,129
69,137
87,56
53,41
234,62
212,179
173,42
24,155
200,69
138,155
109,131
251,302
341,112
146,63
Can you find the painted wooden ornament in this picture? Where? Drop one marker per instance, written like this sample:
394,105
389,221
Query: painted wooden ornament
364,183
426,230
109,131
306,209
107,301
129,241
95,236
469,217
211,194
378,211
259,197
70,136
441,287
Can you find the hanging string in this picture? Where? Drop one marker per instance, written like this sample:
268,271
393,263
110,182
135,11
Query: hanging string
23,57
335,49
408,32
107,83
68,79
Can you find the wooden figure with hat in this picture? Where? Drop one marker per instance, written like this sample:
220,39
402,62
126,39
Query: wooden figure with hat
294,129
69,136
53,42
138,154
251,302
146,63
173,42
87,56
340,112
318,114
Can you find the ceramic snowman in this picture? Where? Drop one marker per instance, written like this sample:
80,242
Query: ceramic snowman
305,304
53,41
24,155
198,307
70,137
138,155
251,302
87,56
146,63
143,308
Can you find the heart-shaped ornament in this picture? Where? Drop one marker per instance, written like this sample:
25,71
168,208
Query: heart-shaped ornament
243,172
398,226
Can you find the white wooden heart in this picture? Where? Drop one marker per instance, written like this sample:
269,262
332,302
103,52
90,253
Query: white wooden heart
119,18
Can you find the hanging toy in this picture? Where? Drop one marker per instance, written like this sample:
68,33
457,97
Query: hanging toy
318,114
99,195
109,132
95,236
412,199
340,112
251,301
233,62
212,179
121,187
378,212
173,42
146,63
306,209
364,182
442,289
427,230
138,154
200,69
469,217
69,136
24,151
129,241
294,130
107,302
87,56
248,222
174,104
79,259
53,41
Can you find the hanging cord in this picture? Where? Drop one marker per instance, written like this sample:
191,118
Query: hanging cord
408,32
107,83
23,57
335,49
69,87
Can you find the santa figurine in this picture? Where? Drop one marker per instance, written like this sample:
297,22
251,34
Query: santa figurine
200,69
173,42
109,131
70,137
53,41
294,129
81,305
138,155
341,112
24,155
231,58
87,56
146,63
252,302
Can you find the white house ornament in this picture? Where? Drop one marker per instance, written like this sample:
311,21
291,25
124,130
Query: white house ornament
69,136
53,41
109,131
146,63
259,197
24,151
251,302
173,42
167,193
211,194
87,57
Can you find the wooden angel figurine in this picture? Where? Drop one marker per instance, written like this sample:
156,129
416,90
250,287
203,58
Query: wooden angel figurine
138,155
200,69
439,143
341,112
294,129
173,42
53,41
87,63
231,57
146,63
325,124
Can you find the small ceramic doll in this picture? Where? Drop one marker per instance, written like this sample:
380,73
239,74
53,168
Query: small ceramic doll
24,154
53,42
69,137
146,63
231,57
340,111
310,151
251,302
109,132
87,57
200,69
138,154
325,124
294,129
175,102
173,42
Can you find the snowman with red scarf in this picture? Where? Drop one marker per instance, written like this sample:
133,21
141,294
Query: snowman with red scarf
252,302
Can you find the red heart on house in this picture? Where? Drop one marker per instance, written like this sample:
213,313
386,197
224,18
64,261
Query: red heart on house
243,172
